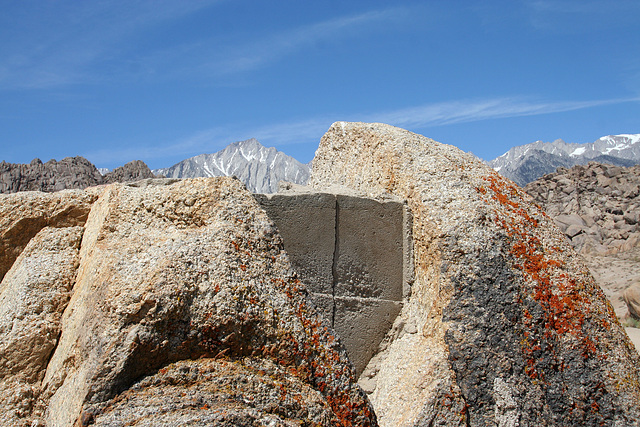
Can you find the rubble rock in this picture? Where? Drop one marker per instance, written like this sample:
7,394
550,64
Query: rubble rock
511,327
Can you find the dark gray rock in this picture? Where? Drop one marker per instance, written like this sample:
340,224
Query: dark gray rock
132,171
68,173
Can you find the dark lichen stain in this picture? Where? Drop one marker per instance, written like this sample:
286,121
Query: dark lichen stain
518,315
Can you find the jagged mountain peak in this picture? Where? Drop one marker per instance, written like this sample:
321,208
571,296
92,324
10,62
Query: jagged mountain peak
526,163
260,168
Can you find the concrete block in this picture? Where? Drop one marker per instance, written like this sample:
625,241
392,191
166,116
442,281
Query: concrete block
325,305
356,257
369,250
307,225
361,324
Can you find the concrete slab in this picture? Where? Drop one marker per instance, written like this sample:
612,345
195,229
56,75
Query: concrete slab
307,225
369,248
362,324
355,256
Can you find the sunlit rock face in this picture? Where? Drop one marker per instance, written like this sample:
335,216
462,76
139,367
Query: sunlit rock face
164,303
504,325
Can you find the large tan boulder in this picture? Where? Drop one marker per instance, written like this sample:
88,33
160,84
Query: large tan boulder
504,325
23,215
184,309
33,295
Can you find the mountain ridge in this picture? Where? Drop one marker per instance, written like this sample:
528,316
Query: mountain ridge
526,163
260,168
68,173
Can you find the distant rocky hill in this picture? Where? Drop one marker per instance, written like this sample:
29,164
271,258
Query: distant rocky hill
596,205
68,173
132,171
526,163
258,167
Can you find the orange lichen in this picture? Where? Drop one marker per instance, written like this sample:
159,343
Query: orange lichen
565,309
316,360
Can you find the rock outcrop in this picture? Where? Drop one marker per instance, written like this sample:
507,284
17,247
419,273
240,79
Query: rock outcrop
632,299
171,303
68,173
33,296
504,325
23,215
597,206
132,171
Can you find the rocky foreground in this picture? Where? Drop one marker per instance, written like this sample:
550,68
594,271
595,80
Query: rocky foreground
168,304
171,302
505,325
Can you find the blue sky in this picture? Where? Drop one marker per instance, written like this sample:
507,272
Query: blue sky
163,80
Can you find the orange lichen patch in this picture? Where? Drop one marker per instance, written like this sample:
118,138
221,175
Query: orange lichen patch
564,308
317,360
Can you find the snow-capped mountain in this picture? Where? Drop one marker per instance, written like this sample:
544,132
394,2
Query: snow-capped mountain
526,163
258,167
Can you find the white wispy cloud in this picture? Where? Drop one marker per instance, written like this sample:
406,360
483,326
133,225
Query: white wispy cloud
272,48
447,113
51,44
95,42
309,131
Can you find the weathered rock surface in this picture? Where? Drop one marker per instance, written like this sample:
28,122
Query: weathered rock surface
596,205
33,295
504,325
68,173
23,215
632,298
184,309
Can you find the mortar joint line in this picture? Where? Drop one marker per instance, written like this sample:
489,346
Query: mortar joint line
334,266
